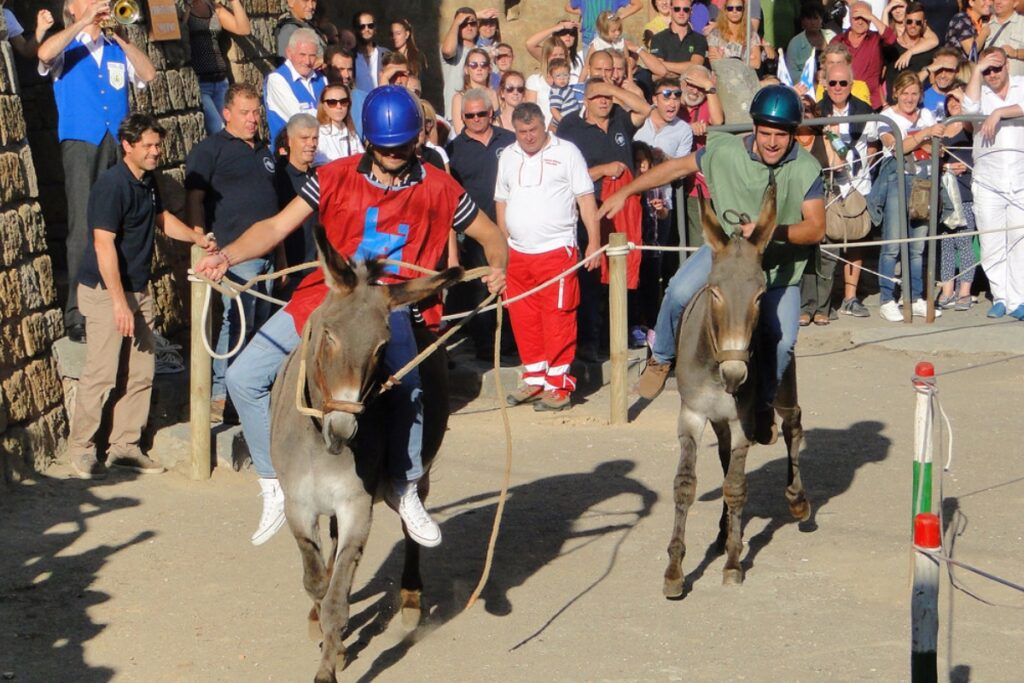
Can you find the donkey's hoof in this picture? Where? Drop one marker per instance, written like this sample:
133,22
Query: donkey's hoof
732,577
410,609
325,677
673,588
801,510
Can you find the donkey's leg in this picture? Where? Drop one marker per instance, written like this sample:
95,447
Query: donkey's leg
734,491
412,582
724,455
690,428
315,632
353,529
788,408
305,527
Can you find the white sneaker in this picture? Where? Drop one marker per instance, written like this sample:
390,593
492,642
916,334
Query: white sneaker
273,511
920,309
418,524
890,311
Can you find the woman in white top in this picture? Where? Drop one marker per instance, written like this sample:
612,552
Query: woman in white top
338,137
917,127
538,85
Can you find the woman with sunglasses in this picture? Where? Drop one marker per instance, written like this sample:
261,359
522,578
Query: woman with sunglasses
475,74
405,45
969,29
566,32
538,85
913,47
338,137
511,93
727,38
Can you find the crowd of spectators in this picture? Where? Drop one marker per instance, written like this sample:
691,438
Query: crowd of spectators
621,103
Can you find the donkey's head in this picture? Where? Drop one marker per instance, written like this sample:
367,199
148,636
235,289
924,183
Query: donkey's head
736,285
348,333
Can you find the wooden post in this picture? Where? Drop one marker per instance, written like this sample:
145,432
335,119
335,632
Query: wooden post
924,601
618,333
200,365
924,385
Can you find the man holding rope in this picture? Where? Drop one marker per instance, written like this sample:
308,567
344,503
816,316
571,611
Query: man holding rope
738,171
383,203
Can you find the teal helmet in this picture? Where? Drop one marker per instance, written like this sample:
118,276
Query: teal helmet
777,105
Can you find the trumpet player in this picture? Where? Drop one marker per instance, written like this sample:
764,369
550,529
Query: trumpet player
91,70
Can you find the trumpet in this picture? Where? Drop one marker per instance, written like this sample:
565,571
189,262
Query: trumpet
122,13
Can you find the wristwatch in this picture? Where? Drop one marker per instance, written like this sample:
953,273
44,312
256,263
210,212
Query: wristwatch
712,90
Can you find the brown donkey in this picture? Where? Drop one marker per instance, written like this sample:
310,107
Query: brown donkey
717,383
336,466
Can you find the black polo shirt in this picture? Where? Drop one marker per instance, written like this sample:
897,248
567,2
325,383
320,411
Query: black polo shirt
600,147
667,46
238,181
126,206
475,165
300,245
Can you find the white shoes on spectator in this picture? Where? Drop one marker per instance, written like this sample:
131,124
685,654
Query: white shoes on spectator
273,511
890,311
920,309
405,497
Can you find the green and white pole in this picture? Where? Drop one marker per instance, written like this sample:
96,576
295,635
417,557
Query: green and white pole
924,385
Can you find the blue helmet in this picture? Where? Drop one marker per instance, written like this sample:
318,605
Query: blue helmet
778,105
391,116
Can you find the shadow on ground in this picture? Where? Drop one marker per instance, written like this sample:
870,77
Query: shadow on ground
543,521
46,583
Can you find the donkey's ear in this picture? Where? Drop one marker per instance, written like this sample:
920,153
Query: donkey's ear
766,224
422,287
338,273
714,236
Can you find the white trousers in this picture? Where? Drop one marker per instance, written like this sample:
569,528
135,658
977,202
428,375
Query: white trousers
1002,253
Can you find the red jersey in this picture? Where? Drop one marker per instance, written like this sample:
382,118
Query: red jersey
365,220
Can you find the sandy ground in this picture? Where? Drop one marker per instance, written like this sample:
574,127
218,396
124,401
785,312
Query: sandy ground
154,579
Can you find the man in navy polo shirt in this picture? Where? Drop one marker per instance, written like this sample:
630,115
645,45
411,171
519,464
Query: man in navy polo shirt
604,133
473,157
229,183
295,86
124,207
90,73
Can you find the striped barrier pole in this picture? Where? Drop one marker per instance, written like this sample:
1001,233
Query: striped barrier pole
924,602
924,385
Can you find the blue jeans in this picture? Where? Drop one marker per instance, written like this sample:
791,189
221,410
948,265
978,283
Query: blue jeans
252,377
256,313
883,208
777,326
211,96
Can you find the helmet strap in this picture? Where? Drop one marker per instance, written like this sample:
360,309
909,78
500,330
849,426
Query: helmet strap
400,172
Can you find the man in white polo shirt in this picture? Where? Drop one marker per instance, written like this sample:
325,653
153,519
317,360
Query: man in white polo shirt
543,186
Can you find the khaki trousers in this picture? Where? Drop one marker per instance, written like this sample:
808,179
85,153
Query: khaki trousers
114,369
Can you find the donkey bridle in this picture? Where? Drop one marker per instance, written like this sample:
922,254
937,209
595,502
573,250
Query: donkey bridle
720,356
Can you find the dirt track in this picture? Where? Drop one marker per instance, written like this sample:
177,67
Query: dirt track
153,579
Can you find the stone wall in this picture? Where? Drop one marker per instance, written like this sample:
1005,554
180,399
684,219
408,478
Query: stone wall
33,422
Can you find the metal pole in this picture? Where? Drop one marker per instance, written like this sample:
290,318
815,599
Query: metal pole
933,228
199,383
617,325
924,601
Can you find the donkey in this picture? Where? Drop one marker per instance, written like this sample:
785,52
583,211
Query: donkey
717,383
336,466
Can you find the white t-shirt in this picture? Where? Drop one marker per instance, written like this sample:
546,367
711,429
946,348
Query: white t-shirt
335,143
997,166
540,194
925,118
539,85
857,172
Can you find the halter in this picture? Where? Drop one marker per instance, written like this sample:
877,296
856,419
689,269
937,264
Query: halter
720,356
327,404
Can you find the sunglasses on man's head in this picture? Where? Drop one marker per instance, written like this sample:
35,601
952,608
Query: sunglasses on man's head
681,10
370,25
470,115
671,93
841,84
992,70
332,102
515,88
478,65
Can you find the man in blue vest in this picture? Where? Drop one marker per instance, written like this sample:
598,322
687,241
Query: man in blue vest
738,171
90,73
295,86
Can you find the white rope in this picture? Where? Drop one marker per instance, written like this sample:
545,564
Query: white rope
837,257
241,326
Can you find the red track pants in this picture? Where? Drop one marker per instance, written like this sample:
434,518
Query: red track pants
544,323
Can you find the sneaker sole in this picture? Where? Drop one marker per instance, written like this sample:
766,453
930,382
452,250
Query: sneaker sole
261,538
512,402
421,541
548,408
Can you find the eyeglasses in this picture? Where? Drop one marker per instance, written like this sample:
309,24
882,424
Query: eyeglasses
671,93
992,70
515,88
914,22
734,8
681,10
470,22
332,102
470,115
841,84
478,65
370,25
944,70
